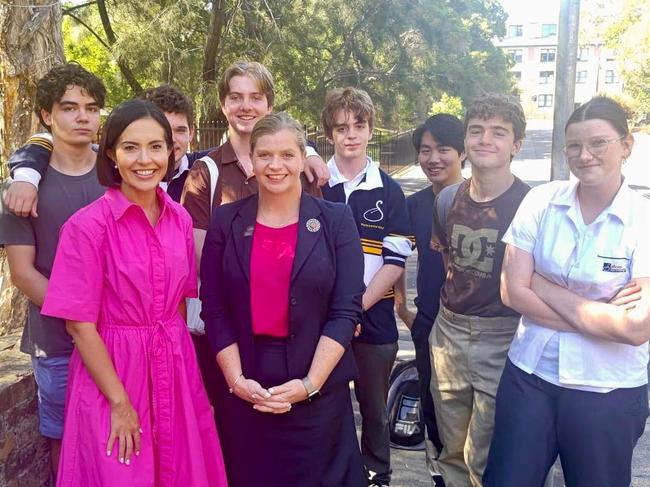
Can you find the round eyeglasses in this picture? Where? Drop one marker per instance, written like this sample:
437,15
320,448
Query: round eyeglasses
596,147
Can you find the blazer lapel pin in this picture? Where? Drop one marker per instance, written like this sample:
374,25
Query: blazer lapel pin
313,225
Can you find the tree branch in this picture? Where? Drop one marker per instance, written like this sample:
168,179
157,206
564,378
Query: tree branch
112,40
77,7
95,34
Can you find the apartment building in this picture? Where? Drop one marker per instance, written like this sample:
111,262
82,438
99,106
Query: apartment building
532,46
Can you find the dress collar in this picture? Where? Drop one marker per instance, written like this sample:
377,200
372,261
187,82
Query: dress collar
118,203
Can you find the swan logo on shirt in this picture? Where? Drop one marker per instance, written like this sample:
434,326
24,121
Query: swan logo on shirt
374,215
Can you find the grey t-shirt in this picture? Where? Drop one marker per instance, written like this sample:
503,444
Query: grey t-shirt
59,197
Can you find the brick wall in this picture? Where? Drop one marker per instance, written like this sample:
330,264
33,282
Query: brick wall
24,455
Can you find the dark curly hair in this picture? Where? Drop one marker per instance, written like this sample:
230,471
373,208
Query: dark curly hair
507,107
170,100
51,87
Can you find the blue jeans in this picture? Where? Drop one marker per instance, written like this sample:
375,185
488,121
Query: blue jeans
593,433
51,375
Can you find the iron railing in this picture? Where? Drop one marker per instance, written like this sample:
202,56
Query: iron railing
392,150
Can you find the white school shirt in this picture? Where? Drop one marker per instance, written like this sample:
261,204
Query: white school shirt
593,261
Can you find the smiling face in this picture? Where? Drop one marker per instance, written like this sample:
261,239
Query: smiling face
141,156
440,163
182,134
605,167
490,143
74,119
244,104
278,162
350,136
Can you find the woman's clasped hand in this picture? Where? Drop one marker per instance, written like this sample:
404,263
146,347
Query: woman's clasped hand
274,400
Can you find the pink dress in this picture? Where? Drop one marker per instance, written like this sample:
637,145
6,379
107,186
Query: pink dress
114,269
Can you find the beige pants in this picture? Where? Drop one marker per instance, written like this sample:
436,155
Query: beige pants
468,354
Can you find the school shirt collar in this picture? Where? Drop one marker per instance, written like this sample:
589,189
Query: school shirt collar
619,208
118,203
182,167
228,155
370,176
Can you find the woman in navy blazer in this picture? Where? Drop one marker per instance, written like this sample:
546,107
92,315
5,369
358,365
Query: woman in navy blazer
280,323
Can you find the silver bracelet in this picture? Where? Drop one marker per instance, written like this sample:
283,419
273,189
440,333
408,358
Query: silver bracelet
231,389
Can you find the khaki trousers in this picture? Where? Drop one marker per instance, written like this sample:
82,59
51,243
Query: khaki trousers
468,354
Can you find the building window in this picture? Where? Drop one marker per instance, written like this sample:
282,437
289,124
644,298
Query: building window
546,77
581,77
516,75
515,31
544,101
610,76
547,56
549,30
583,54
516,55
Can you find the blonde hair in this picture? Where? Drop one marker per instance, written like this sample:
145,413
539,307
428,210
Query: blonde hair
349,99
254,70
274,123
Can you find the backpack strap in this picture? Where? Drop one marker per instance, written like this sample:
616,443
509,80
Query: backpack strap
214,177
444,201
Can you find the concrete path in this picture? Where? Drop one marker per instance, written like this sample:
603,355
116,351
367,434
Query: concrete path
533,166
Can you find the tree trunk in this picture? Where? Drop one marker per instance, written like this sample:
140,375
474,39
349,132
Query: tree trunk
30,44
209,99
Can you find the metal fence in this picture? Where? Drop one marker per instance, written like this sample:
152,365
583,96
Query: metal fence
392,150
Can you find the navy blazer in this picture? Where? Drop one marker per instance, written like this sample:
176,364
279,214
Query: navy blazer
325,289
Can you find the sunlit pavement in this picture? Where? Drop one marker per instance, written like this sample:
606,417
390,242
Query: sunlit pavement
533,165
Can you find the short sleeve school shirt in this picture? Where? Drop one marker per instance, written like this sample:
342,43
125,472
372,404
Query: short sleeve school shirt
593,261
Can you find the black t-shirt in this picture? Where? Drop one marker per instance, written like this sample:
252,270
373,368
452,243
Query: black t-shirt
472,237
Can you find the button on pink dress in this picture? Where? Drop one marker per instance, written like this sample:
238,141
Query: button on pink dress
114,269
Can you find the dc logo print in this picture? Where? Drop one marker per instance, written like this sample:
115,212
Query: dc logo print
374,215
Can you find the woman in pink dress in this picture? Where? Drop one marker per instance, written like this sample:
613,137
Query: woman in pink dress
136,410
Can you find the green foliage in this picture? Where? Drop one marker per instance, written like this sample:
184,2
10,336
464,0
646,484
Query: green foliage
628,33
405,53
448,104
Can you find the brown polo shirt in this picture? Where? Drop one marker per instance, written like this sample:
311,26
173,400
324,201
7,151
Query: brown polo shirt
232,185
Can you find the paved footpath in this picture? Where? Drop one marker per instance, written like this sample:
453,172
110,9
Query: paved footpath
533,166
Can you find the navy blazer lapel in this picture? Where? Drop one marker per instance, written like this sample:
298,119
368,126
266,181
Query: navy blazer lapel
310,229
243,226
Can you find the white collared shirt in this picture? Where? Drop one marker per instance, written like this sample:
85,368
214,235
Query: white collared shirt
183,166
594,261
370,171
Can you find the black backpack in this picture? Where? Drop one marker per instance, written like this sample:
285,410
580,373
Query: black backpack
403,405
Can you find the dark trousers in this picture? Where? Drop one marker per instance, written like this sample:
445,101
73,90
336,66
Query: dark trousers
210,371
420,335
594,434
371,390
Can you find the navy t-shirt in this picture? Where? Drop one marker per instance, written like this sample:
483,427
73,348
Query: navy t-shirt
431,268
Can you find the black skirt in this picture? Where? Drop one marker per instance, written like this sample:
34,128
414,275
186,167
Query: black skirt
313,445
